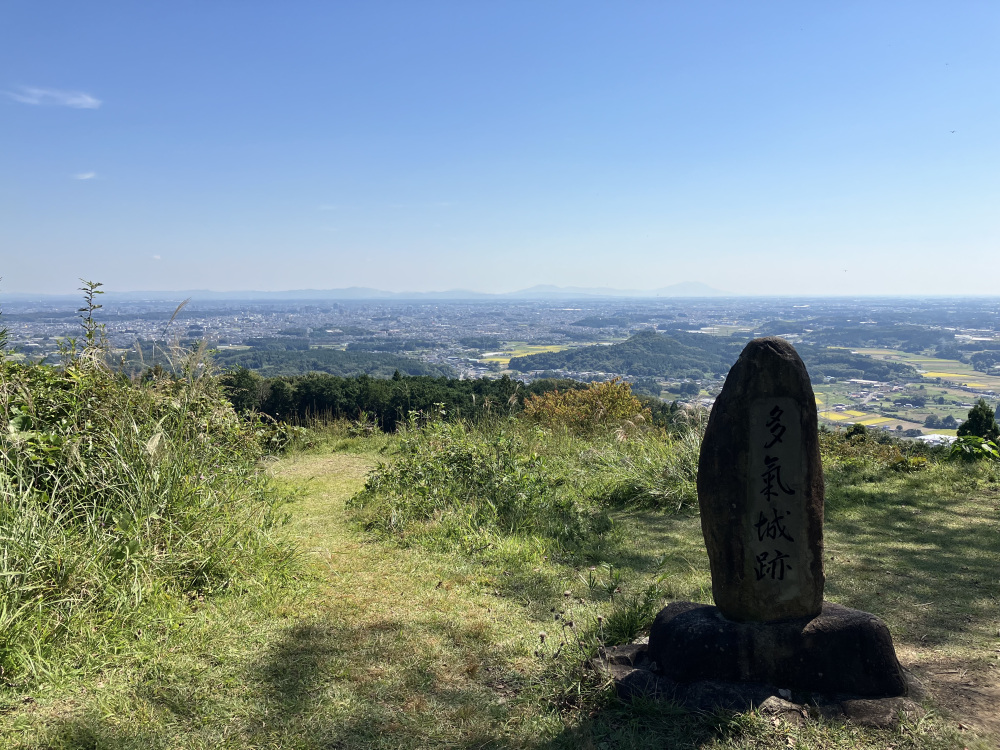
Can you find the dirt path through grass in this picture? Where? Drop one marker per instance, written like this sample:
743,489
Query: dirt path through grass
392,647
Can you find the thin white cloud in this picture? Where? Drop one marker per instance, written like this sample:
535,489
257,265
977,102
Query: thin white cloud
85,176
156,257
54,97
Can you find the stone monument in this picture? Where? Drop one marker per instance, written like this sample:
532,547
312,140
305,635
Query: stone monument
760,488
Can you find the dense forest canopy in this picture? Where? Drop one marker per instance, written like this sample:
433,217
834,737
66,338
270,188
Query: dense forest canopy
645,354
679,354
386,401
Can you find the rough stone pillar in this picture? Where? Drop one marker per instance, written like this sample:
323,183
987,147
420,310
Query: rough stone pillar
760,487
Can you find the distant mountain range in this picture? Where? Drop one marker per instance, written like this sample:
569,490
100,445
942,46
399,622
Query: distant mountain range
539,292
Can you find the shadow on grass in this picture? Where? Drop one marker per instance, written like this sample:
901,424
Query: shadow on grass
302,672
323,684
919,550
650,725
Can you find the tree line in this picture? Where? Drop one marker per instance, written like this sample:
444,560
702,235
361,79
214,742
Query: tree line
388,401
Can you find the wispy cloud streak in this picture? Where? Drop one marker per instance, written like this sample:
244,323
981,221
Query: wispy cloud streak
85,176
54,97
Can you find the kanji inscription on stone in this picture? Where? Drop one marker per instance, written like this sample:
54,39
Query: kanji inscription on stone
775,523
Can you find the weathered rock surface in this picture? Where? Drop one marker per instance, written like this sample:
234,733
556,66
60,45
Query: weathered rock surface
760,488
841,650
635,675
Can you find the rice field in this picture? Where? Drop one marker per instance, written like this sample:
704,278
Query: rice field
835,416
838,416
521,350
874,421
932,368
960,379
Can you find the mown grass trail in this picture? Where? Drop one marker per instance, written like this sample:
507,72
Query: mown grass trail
394,647
369,647
373,645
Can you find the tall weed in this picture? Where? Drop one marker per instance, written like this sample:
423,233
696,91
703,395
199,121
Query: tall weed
113,493
584,411
652,468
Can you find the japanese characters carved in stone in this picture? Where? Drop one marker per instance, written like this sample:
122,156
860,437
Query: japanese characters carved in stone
760,487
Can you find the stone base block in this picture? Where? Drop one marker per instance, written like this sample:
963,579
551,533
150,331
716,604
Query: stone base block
840,651
632,672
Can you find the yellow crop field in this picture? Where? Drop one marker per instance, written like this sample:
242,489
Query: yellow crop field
954,376
854,416
522,350
836,416
874,420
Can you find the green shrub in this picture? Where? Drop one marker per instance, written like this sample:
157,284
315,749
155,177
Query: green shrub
857,430
914,463
600,405
972,448
981,423
455,479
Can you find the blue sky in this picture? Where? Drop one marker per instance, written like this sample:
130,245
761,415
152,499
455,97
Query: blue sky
758,147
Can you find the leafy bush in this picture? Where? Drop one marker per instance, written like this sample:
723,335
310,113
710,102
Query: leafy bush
981,423
600,405
455,480
912,464
972,448
856,430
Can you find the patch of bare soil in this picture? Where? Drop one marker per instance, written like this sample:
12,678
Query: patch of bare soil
968,692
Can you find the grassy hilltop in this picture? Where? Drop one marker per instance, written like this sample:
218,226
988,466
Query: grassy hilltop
681,354
173,574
